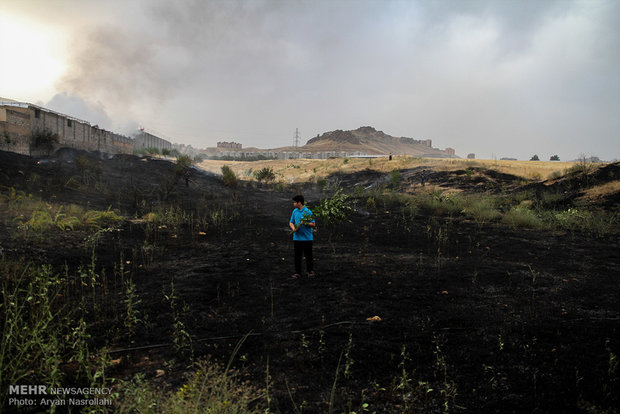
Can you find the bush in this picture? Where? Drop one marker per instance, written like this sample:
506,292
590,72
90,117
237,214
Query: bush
522,217
395,178
210,389
264,174
90,170
439,204
480,209
229,177
335,209
100,219
44,139
598,223
184,162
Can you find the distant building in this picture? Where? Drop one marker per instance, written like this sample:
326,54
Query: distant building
229,145
450,151
144,139
471,156
19,121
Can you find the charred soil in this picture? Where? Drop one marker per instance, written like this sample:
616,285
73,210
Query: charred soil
406,313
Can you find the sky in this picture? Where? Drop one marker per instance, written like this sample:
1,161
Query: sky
498,78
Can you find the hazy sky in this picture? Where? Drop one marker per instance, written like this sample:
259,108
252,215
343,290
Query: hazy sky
501,78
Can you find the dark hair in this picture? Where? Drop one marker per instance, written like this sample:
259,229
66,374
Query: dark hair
299,199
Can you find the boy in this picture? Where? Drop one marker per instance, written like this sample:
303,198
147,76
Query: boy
302,223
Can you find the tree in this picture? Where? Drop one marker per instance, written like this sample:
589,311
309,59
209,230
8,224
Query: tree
44,140
229,177
535,158
554,158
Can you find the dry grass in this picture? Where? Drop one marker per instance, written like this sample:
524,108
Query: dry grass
601,191
298,170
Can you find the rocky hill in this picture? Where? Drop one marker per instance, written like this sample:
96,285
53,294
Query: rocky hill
367,139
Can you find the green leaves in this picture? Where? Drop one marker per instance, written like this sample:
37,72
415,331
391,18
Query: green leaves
265,174
334,210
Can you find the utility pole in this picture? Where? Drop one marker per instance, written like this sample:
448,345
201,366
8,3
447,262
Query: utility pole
296,137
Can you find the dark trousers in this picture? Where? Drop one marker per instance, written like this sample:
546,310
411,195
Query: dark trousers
303,248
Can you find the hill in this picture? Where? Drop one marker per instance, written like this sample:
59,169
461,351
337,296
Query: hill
367,139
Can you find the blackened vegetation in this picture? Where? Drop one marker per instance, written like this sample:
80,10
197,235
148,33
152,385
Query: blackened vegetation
472,317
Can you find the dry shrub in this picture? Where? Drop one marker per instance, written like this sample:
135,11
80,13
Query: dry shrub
522,217
210,389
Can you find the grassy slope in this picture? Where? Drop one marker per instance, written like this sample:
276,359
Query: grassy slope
311,169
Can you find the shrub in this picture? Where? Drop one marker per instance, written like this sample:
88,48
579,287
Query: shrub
335,209
229,177
439,204
395,178
522,217
89,169
265,174
480,209
555,175
200,158
598,223
210,389
44,139
99,219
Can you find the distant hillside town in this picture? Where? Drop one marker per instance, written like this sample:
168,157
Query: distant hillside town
30,129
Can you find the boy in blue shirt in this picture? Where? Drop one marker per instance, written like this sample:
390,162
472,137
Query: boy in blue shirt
302,223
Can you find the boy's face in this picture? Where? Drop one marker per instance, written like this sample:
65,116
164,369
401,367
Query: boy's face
297,204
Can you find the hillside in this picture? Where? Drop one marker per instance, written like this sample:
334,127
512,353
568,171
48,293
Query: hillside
367,139
481,290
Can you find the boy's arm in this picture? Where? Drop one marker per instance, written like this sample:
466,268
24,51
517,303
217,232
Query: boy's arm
292,226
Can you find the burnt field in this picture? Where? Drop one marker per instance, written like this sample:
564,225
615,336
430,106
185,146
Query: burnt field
501,298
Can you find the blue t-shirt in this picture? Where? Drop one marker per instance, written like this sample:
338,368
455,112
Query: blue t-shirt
304,233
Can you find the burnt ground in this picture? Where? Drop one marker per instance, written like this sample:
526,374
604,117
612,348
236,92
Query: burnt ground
476,318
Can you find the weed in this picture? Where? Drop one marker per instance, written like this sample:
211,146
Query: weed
229,177
265,174
481,209
395,178
88,169
101,219
132,314
181,339
371,204
39,332
348,358
209,389
447,387
522,217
